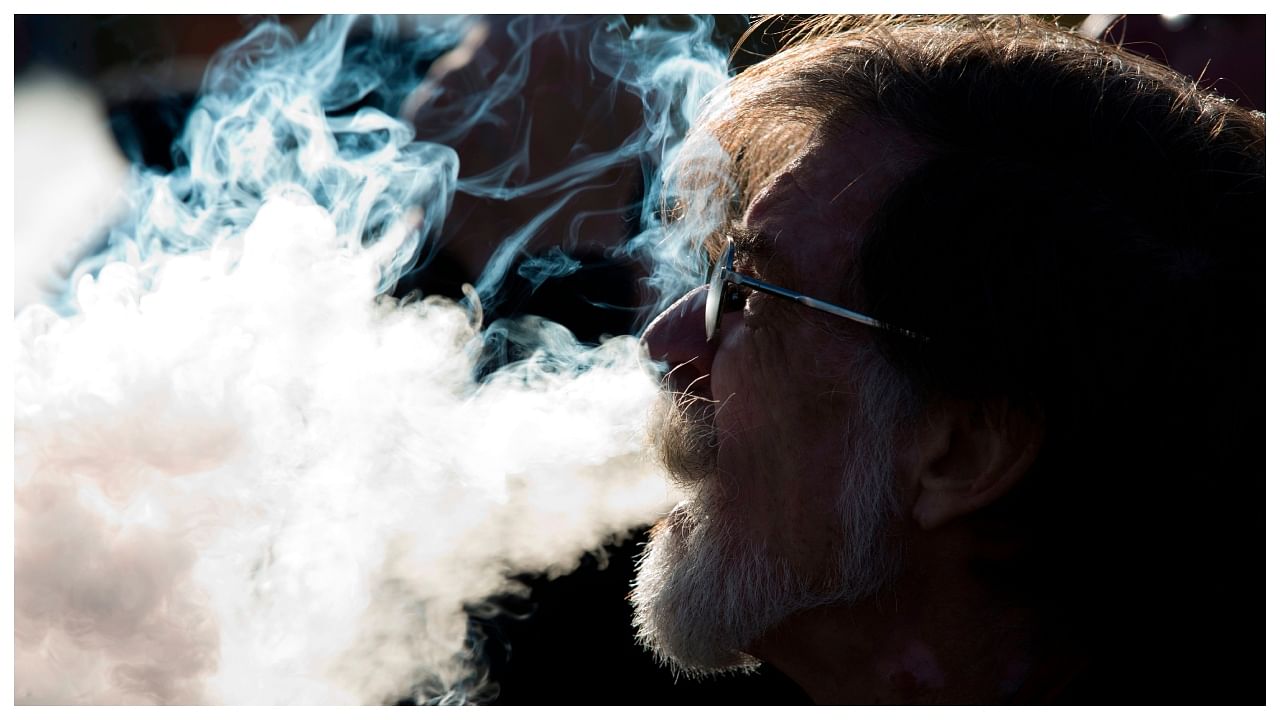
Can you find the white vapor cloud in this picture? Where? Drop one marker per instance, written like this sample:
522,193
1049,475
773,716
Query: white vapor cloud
260,482
243,473
69,179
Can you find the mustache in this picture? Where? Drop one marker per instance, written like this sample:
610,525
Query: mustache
682,435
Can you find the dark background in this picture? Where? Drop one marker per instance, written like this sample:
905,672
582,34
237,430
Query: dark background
570,640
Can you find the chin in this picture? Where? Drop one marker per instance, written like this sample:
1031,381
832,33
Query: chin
707,590
701,596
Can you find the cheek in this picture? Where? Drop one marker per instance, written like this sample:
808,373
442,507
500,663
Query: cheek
782,431
779,378
759,388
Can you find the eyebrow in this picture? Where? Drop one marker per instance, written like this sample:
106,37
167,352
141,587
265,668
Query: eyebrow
761,251
750,242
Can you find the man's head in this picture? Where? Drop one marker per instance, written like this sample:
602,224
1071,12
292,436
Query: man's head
1078,232
750,547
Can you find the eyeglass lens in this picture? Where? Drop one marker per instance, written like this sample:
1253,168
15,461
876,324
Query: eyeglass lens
715,289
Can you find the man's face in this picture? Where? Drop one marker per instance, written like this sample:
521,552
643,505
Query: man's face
783,442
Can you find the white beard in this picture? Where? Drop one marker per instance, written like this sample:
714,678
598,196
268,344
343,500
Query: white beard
704,593
698,603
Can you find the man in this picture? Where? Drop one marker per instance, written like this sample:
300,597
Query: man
1013,457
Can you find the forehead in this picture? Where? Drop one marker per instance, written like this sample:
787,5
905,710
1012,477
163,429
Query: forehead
817,209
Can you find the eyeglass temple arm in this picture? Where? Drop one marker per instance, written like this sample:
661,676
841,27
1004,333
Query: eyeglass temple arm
740,279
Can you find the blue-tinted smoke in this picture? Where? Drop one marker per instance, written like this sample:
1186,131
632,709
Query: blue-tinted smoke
269,118
320,114
277,483
648,78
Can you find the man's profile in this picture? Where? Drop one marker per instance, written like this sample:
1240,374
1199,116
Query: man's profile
1036,480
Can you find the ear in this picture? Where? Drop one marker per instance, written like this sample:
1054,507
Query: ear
967,457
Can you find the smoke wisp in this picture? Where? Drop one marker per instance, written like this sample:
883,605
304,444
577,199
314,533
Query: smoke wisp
246,474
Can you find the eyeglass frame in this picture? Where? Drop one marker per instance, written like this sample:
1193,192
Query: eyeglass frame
723,274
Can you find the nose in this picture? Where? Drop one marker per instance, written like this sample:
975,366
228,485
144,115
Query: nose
678,337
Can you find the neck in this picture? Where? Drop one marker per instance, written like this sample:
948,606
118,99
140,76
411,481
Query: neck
939,635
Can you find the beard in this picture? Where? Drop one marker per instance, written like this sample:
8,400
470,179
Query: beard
705,591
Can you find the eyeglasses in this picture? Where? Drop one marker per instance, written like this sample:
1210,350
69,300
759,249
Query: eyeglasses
723,275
